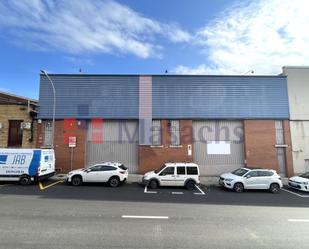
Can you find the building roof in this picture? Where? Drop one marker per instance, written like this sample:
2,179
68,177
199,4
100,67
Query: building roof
9,98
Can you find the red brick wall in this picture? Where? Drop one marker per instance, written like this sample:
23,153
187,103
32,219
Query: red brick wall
151,158
62,150
260,141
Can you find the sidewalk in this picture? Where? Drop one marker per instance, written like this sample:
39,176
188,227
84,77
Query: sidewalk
136,178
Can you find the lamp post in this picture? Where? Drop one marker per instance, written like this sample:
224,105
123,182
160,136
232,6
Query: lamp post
54,106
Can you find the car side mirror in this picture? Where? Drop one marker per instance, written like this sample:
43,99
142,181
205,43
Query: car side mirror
88,170
248,176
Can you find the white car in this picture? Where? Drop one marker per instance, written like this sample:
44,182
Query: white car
111,172
247,178
300,182
173,174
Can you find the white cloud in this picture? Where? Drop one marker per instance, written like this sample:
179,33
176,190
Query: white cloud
77,27
261,35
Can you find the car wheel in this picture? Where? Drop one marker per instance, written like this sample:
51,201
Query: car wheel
190,185
25,180
238,187
77,181
114,182
153,184
274,188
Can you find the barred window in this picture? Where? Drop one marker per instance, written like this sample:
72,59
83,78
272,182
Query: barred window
156,133
48,130
175,132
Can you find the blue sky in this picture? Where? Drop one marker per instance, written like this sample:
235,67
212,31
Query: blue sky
148,37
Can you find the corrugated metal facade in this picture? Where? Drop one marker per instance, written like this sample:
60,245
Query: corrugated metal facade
84,97
220,97
173,97
208,131
119,143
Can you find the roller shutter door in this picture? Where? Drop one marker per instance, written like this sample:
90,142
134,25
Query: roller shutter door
119,143
209,133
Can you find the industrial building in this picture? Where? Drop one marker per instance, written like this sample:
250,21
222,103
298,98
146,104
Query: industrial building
298,91
218,122
17,121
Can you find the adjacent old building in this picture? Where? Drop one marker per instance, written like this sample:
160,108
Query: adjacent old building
219,122
17,121
298,91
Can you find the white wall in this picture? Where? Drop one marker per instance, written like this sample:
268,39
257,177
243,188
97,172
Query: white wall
298,90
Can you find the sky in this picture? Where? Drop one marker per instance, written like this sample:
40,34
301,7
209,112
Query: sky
224,37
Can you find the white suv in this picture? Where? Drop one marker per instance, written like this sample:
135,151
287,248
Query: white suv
247,178
111,172
173,174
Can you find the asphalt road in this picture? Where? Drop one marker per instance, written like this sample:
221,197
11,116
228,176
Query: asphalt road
93,216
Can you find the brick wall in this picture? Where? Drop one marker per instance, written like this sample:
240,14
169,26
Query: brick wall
260,141
15,112
151,157
62,150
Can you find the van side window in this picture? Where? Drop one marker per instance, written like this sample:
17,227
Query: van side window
192,171
168,171
181,170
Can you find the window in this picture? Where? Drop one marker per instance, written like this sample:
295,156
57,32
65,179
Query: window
265,173
156,133
240,172
48,130
96,168
181,170
192,171
253,174
108,168
123,167
305,175
175,133
168,171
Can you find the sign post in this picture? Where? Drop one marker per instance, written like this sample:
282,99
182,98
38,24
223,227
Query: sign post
72,145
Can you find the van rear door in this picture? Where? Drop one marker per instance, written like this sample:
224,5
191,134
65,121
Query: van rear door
47,165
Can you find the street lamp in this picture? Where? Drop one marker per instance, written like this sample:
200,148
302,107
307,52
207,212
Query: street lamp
54,106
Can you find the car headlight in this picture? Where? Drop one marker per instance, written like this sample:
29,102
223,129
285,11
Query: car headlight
70,173
228,179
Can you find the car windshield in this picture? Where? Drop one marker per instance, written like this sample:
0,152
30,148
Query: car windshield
158,170
240,172
306,175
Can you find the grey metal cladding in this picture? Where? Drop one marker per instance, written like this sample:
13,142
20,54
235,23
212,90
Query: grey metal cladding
90,96
220,97
173,97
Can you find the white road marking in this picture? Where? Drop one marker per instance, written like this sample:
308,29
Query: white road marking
298,220
143,217
149,192
201,191
299,195
177,193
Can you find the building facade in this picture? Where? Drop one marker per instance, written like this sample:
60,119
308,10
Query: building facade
17,121
298,91
218,122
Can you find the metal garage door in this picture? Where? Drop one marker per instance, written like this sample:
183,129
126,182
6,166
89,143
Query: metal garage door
218,146
119,143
